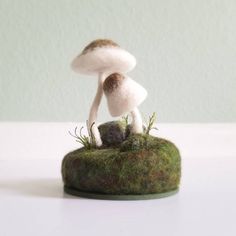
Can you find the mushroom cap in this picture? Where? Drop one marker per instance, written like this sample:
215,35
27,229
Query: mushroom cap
123,94
103,55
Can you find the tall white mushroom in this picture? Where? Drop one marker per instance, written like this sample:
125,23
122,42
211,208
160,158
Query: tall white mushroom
125,95
101,57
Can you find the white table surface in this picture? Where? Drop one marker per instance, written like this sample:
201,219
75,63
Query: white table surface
32,202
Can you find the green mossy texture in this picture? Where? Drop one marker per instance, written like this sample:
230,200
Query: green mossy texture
142,164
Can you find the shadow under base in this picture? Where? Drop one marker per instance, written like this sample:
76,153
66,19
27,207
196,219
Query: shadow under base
90,195
141,167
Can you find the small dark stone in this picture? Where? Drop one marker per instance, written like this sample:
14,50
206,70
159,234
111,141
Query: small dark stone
112,133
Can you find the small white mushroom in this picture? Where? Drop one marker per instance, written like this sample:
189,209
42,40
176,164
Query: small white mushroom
125,95
101,57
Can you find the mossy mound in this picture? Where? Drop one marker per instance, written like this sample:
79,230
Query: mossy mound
142,164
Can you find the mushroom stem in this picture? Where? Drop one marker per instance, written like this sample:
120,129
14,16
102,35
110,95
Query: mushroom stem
93,112
137,123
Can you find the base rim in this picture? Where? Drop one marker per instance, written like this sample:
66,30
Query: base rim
78,193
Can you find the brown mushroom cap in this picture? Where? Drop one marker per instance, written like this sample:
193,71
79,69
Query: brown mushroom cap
123,94
99,43
103,55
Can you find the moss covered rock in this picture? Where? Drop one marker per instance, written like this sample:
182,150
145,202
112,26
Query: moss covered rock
142,164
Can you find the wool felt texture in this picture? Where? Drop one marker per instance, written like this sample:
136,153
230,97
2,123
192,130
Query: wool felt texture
125,95
123,158
101,57
142,164
93,112
106,59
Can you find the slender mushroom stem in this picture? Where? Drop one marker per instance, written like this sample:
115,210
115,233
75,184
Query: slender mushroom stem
94,110
137,124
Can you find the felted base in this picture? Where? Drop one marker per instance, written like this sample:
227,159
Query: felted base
78,193
140,165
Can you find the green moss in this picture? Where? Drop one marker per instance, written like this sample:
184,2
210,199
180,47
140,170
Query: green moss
142,164
139,141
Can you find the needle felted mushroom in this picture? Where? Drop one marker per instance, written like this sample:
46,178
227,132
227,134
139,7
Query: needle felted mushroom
101,57
125,95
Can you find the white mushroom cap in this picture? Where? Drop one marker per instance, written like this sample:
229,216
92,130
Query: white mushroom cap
123,94
103,55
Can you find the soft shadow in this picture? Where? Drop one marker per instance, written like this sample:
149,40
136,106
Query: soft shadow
47,188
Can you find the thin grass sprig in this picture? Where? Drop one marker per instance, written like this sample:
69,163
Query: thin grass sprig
150,123
82,139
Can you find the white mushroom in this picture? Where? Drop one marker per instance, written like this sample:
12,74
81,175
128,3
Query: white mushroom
101,57
125,95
